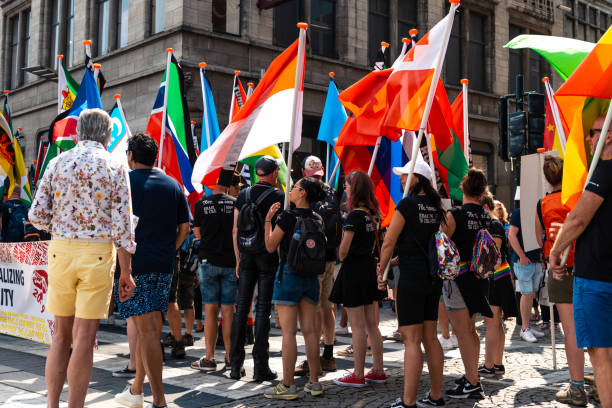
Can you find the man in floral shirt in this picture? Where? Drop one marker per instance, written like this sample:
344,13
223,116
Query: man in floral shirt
84,201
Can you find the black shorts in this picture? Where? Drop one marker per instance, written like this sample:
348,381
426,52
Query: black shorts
182,289
417,301
501,294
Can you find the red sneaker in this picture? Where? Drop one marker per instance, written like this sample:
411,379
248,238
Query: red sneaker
350,381
372,377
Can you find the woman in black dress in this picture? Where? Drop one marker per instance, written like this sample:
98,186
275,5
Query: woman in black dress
414,223
356,287
501,298
467,295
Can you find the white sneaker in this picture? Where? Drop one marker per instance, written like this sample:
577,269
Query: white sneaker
454,340
536,332
447,344
127,399
342,330
528,336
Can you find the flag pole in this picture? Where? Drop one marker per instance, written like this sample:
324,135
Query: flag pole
231,112
299,77
117,98
430,96
434,182
60,57
169,51
96,70
555,112
334,171
202,66
250,86
331,78
466,131
383,46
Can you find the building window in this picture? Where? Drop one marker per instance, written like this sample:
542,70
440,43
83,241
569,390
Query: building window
581,25
70,32
286,17
158,16
603,22
477,58
406,18
55,32
14,51
103,26
378,26
226,16
27,16
62,31
593,31
516,60
123,15
454,52
322,27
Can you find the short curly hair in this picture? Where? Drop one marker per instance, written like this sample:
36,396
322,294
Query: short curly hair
144,149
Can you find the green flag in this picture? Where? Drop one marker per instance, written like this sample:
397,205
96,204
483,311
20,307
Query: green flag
564,54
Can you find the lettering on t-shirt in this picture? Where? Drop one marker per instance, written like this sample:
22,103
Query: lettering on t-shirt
210,208
427,214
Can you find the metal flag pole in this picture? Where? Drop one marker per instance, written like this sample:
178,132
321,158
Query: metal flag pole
299,78
466,129
231,112
251,87
96,70
430,96
383,46
169,52
334,171
434,182
202,66
60,101
554,109
120,107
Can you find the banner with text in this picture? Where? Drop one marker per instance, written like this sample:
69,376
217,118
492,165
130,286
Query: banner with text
23,289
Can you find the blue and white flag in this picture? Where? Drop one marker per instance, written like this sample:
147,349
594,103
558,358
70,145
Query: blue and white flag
332,121
120,134
210,124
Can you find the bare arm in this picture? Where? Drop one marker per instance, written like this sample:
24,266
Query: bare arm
575,224
196,232
273,238
539,229
126,284
345,244
516,246
182,234
449,227
393,233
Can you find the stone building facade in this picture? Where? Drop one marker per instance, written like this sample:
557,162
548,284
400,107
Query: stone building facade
130,38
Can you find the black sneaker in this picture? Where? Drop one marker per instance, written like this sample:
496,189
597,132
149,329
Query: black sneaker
125,373
265,376
460,381
467,390
399,403
188,340
499,369
178,351
236,374
427,401
484,371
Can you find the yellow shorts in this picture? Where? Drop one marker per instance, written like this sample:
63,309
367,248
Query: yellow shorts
80,278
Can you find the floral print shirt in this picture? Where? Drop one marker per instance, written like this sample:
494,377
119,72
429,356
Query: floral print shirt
84,194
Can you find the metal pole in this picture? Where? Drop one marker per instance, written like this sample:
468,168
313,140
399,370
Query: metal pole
327,161
169,51
434,182
334,171
553,340
231,112
466,129
299,77
59,85
554,109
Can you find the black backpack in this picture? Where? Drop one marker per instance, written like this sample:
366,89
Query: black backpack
17,218
306,255
329,210
250,238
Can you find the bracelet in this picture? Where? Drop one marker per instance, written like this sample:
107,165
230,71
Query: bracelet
270,221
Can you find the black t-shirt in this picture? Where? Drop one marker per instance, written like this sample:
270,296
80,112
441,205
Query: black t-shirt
593,254
286,221
497,231
214,215
515,220
422,222
276,196
469,219
160,205
362,245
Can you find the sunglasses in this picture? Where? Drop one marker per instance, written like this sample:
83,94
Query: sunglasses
594,132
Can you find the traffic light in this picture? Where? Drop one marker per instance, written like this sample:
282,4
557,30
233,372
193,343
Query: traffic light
502,123
516,133
536,115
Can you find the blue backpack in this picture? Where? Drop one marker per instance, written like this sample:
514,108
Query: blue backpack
17,218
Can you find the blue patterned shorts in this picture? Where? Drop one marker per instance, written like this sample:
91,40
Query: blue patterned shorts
151,295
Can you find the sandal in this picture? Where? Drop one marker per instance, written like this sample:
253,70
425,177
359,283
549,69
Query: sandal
204,365
347,352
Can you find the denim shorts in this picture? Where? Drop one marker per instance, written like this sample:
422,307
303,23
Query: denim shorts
151,295
528,276
290,289
593,312
218,284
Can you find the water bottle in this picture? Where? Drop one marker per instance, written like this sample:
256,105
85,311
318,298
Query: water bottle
297,235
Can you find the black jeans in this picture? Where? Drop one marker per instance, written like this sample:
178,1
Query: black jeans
255,271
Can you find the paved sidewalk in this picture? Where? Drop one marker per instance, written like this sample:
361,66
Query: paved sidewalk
529,379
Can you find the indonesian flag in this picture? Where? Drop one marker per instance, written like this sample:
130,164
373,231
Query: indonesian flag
264,120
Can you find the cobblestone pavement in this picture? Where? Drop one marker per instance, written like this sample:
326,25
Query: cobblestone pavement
529,380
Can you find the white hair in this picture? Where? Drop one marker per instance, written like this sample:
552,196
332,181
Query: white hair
96,125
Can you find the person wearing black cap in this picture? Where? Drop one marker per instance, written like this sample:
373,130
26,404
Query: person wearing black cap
255,268
213,222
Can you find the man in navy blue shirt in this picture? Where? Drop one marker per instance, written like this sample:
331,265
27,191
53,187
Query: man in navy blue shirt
163,225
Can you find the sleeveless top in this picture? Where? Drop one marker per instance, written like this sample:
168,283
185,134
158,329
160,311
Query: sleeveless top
552,216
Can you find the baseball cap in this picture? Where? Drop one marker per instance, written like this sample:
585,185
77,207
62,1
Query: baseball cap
312,166
266,165
420,167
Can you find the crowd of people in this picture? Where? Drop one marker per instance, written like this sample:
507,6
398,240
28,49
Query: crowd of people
247,253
